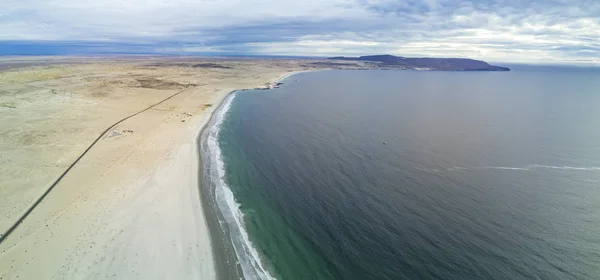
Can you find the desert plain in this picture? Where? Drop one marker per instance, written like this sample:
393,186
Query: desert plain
111,141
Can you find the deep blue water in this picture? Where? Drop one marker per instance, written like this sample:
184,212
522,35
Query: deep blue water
417,175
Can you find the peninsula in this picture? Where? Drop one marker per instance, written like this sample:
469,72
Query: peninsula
424,63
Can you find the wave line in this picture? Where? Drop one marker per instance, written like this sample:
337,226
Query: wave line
530,167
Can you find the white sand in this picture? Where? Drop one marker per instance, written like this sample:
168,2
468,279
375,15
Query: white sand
130,209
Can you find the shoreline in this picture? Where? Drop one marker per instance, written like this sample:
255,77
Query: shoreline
132,207
210,212
226,262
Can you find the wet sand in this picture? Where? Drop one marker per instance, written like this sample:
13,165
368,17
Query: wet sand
130,208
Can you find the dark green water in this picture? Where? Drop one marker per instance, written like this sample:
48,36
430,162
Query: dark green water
416,175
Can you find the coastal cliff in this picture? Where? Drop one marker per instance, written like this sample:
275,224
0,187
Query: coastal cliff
425,63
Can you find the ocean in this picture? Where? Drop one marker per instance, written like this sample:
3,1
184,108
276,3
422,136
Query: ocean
408,175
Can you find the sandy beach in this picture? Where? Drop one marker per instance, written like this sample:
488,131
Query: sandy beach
129,208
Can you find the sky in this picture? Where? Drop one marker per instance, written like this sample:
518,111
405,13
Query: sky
542,31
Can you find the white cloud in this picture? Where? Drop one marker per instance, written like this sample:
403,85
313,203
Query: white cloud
120,19
500,30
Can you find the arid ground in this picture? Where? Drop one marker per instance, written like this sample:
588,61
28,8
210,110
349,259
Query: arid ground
129,207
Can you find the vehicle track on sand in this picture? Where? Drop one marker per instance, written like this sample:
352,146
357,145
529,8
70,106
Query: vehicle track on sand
39,200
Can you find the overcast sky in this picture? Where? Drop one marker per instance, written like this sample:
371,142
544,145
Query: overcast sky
551,31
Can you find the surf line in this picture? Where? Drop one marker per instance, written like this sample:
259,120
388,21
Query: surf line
247,256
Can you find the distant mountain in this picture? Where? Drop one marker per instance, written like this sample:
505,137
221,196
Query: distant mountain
428,63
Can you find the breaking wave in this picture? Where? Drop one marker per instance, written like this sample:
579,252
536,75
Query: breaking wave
248,257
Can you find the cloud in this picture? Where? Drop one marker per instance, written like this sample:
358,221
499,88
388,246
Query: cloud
557,31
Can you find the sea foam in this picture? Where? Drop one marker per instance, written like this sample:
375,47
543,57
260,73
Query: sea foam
248,257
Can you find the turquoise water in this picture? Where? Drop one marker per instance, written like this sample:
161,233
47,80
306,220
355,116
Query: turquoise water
414,175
